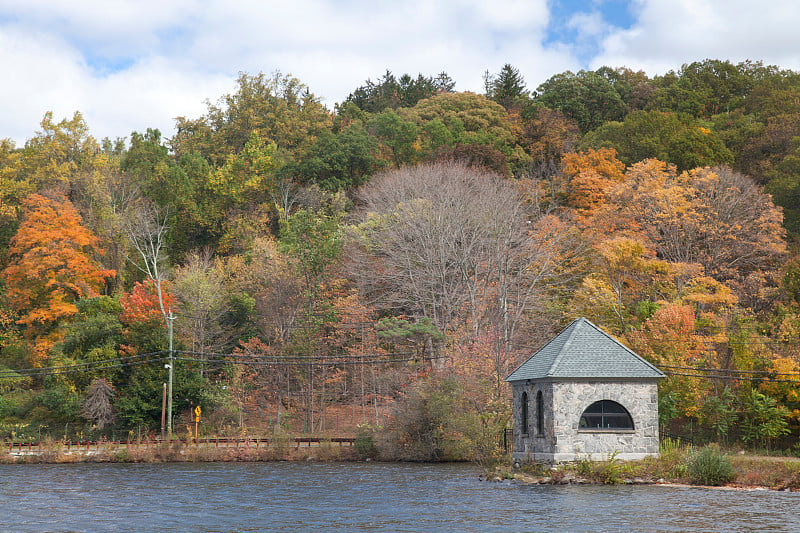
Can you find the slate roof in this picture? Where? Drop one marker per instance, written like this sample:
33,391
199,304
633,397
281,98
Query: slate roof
583,350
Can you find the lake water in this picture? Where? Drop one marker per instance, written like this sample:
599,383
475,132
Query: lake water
359,497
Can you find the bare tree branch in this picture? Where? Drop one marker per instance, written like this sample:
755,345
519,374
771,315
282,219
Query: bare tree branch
146,227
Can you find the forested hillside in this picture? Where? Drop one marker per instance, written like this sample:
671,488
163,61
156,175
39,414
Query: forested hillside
388,262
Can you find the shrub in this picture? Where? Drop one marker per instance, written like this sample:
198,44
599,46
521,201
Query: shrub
583,467
365,442
608,472
710,467
421,425
121,456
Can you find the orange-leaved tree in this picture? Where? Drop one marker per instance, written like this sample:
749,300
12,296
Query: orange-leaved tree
711,216
670,340
591,175
142,303
52,264
145,330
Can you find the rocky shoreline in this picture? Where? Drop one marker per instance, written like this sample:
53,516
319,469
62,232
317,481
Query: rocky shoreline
568,478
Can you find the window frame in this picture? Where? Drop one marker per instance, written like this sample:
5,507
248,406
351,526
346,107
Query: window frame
617,413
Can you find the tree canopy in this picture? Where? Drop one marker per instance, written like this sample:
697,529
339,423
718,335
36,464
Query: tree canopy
385,261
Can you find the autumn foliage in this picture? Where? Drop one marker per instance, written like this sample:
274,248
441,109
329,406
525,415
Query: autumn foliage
414,243
52,265
141,304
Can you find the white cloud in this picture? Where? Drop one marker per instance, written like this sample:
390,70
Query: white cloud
129,65
133,64
41,74
588,25
669,33
150,94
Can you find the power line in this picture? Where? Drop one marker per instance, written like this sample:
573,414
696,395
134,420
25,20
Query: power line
729,371
312,358
302,364
78,367
753,379
209,358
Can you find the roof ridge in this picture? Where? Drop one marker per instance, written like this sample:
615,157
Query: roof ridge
570,336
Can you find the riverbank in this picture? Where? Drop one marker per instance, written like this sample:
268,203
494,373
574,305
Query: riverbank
671,468
219,450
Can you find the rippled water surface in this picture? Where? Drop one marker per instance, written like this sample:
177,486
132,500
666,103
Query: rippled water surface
359,497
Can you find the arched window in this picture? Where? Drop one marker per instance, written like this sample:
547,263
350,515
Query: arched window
539,413
606,414
524,413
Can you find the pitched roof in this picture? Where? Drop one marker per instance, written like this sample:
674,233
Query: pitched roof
583,350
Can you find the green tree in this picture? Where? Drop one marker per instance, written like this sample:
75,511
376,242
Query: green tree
763,420
180,186
784,186
706,88
396,135
279,107
59,153
54,405
419,334
586,97
392,93
314,242
139,398
673,138
719,413
93,336
467,119
634,87
13,190
340,161
245,175
147,160
507,87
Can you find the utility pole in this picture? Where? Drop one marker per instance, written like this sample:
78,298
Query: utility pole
171,366
163,412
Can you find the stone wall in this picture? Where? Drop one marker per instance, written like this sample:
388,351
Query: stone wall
565,401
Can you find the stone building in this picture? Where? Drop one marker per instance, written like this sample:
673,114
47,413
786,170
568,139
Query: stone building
584,395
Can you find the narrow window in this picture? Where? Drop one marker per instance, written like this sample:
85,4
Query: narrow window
524,413
606,414
539,413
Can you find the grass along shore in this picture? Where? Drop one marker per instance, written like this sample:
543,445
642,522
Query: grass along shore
677,464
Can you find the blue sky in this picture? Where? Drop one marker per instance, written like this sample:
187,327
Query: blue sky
133,64
569,20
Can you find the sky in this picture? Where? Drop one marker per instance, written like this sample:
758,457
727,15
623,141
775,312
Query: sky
129,65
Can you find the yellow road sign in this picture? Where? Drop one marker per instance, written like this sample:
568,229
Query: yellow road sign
197,411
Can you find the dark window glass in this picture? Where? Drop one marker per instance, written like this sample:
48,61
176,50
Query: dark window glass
606,414
539,413
524,413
